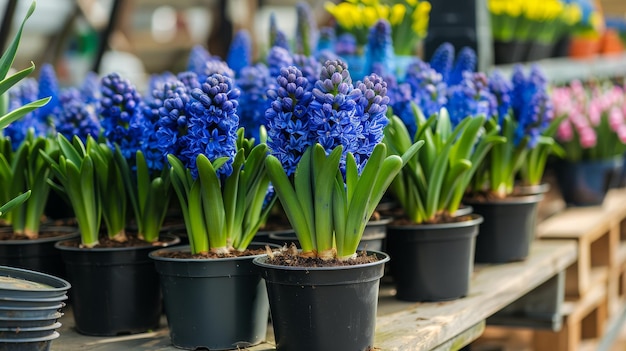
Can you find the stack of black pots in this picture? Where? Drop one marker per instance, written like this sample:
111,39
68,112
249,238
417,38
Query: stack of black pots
30,307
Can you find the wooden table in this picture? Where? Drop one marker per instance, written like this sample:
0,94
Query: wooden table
400,325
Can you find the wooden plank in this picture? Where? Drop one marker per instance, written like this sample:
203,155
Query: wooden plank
575,223
424,326
463,339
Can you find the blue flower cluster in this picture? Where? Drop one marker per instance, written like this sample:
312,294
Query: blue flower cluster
379,50
465,61
213,122
253,82
240,51
77,117
471,98
334,112
531,106
120,114
442,60
171,128
288,117
502,89
277,58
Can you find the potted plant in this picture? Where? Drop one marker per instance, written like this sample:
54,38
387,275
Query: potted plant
214,296
432,248
522,112
593,135
329,170
98,178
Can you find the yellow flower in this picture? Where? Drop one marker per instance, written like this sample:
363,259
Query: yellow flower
397,14
513,8
369,16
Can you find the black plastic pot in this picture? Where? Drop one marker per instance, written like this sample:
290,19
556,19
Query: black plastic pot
30,322
114,290
217,304
28,344
586,183
23,285
323,308
433,262
40,312
539,51
12,333
509,52
37,254
508,228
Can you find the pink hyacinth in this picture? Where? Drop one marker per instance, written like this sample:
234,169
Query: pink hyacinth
565,132
616,118
621,133
587,137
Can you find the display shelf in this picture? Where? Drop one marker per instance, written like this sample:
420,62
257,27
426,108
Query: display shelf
400,325
564,70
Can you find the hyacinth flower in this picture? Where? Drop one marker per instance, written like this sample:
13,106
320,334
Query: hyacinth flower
328,205
276,36
465,61
593,125
523,129
427,91
198,56
431,186
442,60
309,66
90,88
240,51
470,98
306,30
379,49
18,96
253,83
76,117
222,182
277,58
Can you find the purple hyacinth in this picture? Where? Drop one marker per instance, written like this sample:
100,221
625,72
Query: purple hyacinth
371,107
465,61
240,51
213,123
120,114
471,98
379,49
334,119
306,30
442,60
171,128
288,118
253,82
76,117
502,89
278,58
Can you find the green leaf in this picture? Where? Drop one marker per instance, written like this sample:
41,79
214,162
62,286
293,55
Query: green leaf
303,186
213,202
325,169
18,200
7,83
6,61
21,111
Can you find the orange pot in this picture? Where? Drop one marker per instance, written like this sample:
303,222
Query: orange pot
582,47
610,42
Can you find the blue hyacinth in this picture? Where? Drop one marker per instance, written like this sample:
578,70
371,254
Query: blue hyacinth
379,49
288,117
306,30
442,60
48,87
213,123
198,56
240,51
20,95
253,82
309,66
120,113
215,66
76,117
171,128
372,108
189,79
471,98
502,89
276,36
278,58
346,44
534,119
90,88
334,119
465,61
428,90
